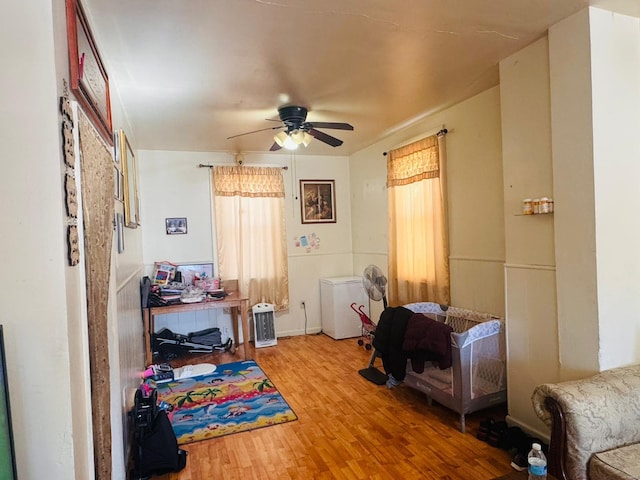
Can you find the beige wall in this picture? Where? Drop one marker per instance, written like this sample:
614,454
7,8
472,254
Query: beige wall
41,296
595,65
46,339
44,319
570,124
615,60
476,219
475,199
172,185
532,340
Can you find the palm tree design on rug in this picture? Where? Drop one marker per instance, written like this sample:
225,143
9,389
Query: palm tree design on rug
265,383
187,397
210,392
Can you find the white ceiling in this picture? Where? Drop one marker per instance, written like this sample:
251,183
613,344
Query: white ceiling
191,73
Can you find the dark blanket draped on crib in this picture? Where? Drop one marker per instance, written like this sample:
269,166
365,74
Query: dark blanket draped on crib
402,335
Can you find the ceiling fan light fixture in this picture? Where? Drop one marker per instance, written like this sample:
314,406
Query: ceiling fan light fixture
297,136
289,143
280,138
306,139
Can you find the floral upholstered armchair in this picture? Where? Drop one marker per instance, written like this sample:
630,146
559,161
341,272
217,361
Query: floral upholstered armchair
595,425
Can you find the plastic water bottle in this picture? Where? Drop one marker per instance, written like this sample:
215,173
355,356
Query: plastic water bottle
537,463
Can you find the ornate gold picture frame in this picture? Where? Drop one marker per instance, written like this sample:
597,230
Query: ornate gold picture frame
130,171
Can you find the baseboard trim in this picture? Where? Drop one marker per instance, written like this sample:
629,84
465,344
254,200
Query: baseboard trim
528,428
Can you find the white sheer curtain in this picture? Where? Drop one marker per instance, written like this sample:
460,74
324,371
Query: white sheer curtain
250,231
418,237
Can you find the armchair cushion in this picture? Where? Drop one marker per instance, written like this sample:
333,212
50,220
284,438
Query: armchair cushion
619,463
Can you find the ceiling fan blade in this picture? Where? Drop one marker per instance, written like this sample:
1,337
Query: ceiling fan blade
334,125
275,147
323,137
255,131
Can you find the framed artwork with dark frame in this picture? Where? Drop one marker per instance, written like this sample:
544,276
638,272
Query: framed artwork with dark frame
89,79
176,226
318,201
130,171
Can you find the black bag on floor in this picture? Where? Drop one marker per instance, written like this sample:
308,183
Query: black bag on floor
156,449
209,336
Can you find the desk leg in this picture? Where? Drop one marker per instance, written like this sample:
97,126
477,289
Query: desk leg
234,324
245,328
146,319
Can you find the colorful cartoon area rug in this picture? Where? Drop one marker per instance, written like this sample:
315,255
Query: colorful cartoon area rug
235,398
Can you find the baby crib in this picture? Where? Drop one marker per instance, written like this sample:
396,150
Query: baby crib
477,377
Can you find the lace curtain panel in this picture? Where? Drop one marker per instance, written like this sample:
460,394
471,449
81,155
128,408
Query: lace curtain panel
418,237
96,165
250,231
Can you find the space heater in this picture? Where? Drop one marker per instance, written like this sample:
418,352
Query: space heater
264,327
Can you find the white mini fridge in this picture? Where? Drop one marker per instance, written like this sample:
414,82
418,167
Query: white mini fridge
336,296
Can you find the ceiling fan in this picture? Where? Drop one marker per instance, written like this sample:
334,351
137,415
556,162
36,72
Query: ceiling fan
298,131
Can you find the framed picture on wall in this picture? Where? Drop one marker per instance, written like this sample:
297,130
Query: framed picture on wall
89,79
130,171
318,201
176,226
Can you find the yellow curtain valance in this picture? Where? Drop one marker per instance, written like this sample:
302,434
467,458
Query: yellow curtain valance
248,181
414,162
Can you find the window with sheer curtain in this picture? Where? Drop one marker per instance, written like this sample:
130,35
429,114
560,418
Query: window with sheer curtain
250,231
418,238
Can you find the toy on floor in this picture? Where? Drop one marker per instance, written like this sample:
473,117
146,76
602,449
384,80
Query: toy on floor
368,327
193,370
159,373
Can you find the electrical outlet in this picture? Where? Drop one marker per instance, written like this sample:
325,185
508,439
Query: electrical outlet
302,305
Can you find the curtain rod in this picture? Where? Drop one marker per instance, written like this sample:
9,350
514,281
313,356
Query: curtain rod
440,133
203,165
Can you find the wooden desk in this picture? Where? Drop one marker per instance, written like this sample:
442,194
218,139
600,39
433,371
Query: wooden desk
234,300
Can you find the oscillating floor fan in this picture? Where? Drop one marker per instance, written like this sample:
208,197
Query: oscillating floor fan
375,284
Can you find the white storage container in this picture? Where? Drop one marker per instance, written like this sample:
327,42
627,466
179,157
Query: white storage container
336,296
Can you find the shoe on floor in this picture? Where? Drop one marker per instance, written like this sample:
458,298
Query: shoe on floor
484,429
519,462
496,433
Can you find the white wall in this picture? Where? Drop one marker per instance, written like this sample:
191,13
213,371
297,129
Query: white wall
172,186
615,80
475,202
532,339
570,122
36,317
596,125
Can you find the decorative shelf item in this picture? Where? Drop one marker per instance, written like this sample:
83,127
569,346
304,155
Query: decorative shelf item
537,206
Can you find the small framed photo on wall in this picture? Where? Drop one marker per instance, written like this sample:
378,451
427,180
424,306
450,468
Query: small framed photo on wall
176,226
318,201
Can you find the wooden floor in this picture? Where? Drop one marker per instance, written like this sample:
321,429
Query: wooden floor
347,427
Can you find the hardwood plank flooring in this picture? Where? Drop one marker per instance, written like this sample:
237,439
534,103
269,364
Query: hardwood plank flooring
347,428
